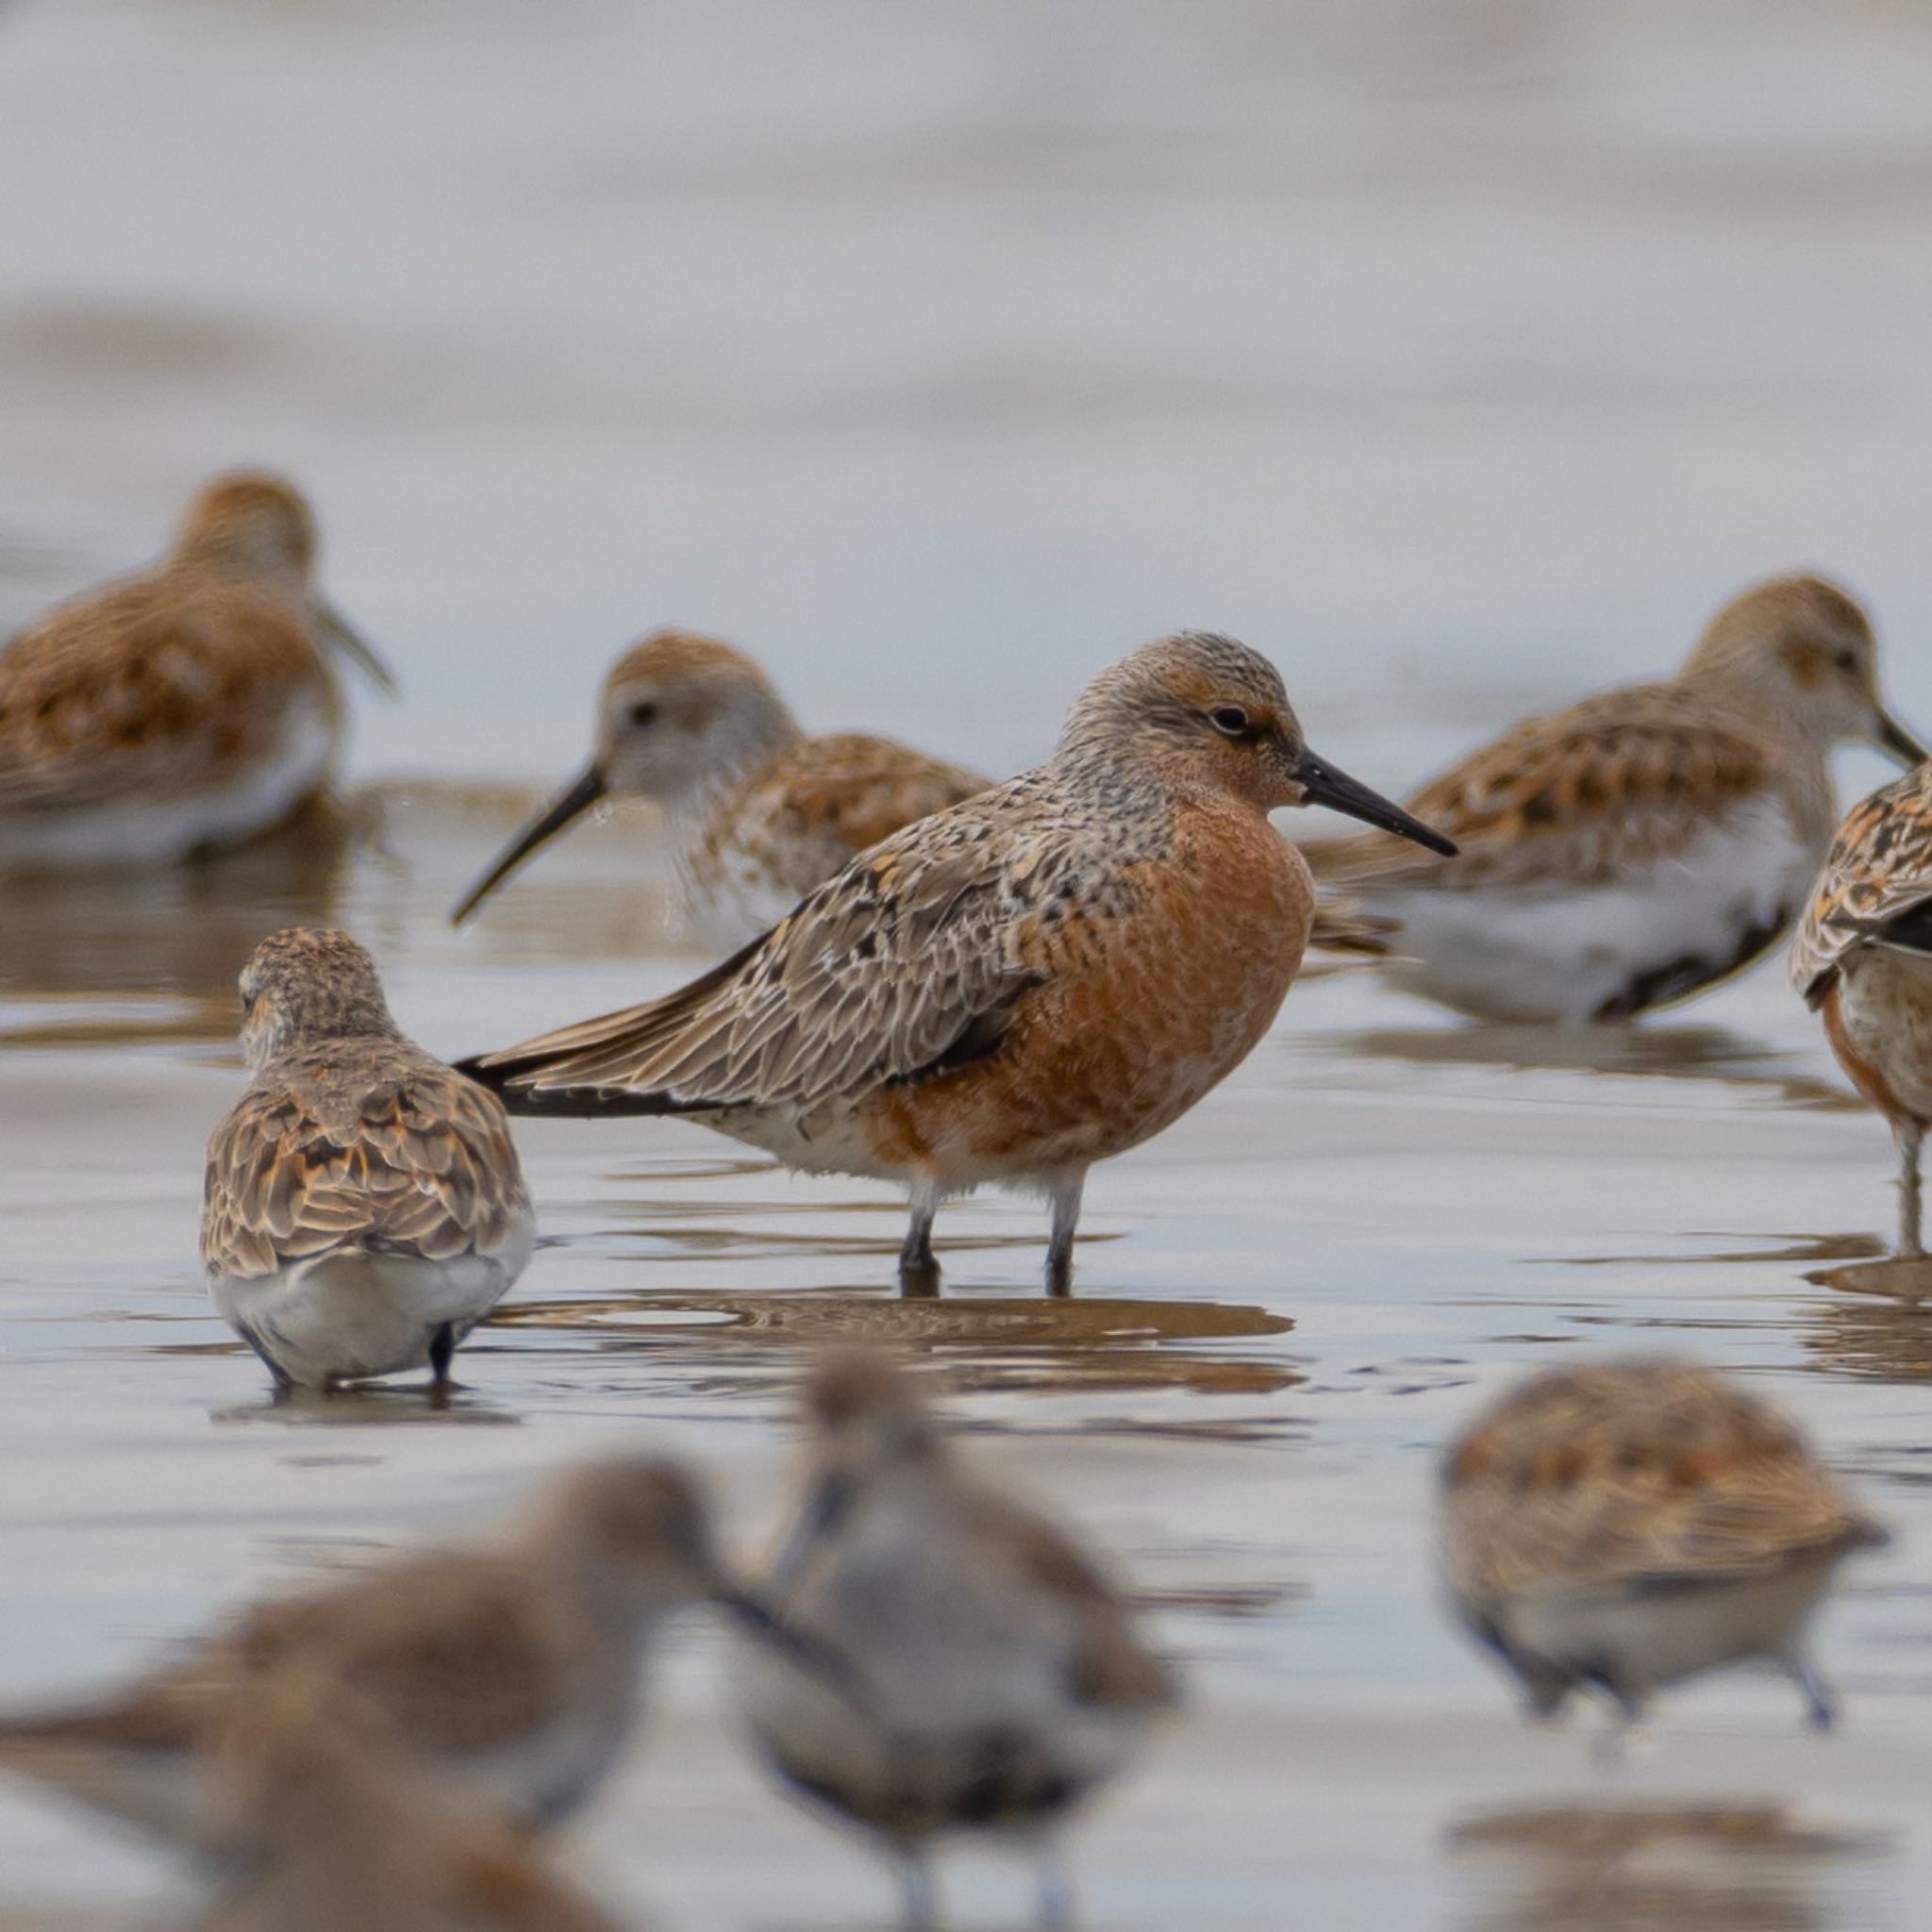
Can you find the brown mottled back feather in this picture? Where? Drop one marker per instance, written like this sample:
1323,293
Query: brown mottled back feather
1879,869
1618,781
1628,1473
369,1145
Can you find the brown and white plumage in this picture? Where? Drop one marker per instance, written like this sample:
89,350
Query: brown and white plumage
336,1827
760,812
1625,1525
363,1206
1637,847
509,1670
1862,958
1034,979
1005,1678
190,705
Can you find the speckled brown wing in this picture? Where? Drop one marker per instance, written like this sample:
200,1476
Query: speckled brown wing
912,959
1631,1476
458,1650
828,798
361,1145
1108,1665
1878,869
167,682
464,1651
1612,784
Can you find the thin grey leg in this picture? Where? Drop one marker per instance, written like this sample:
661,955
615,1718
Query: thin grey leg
917,1888
1065,1197
1911,1244
1055,1888
919,1268
1821,1706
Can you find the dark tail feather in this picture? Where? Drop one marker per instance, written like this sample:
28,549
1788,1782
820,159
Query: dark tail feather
1911,932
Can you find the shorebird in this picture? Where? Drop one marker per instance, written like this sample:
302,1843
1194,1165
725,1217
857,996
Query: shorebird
1014,987
1863,960
510,1669
1622,1526
1005,1680
363,1206
188,706
335,1828
760,812
1645,844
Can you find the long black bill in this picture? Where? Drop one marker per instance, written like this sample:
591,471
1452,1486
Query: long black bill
353,647
1896,742
832,1669
1322,784
583,793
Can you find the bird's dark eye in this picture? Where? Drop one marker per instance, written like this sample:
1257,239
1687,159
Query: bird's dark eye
1230,720
642,713
1846,660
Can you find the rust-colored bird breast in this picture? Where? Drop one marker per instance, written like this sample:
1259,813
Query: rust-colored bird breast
1155,984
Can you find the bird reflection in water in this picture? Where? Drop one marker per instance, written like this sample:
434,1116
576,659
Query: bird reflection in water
1742,1867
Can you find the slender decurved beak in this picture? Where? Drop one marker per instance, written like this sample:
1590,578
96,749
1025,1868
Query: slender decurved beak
352,646
836,1671
1896,742
1322,784
584,792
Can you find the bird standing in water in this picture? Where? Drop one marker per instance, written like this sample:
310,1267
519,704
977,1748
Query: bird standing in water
1032,980
1644,844
1862,959
189,707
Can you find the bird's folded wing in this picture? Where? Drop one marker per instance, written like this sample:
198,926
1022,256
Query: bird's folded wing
855,789
130,691
1878,869
1618,781
420,1163
1108,1665
909,961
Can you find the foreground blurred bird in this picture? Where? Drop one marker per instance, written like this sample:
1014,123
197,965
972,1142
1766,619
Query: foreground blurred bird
1863,960
191,706
760,812
510,1670
1005,1679
1016,986
363,1206
1645,844
1622,1526
336,1829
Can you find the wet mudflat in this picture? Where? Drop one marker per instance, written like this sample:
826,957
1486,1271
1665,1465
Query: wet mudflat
1460,354
1284,1306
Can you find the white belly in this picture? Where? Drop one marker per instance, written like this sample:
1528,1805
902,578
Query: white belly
1645,1640
1570,955
170,818
347,1317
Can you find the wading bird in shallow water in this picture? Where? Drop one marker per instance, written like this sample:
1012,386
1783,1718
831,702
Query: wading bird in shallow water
1005,1679
1645,844
760,812
363,1207
336,1830
189,707
1863,960
1622,1526
1019,986
510,1669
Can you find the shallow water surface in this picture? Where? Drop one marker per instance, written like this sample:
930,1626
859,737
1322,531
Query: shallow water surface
1463,355
1283,1306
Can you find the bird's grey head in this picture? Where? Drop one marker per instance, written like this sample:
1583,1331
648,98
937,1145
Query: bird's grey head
1200,713
1803,650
